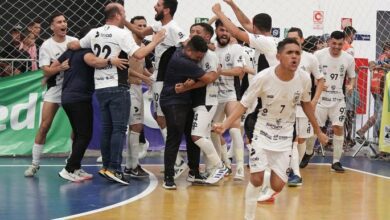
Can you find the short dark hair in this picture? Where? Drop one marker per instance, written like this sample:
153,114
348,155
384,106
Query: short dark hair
139,17
263,22
206,27
35,21
218,23
295,29
110,11
337,35
286,41
197,43
349,30
172,5
54,15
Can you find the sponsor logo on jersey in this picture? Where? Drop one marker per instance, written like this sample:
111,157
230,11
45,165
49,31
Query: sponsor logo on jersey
227,57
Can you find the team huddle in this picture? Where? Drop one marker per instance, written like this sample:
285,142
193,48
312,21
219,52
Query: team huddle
242,81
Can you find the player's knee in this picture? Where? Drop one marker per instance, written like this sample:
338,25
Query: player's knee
256,180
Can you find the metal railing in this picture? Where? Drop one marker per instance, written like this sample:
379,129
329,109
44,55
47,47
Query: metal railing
7,66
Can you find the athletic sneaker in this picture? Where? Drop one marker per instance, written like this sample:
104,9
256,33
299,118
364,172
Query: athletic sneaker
169,183
294,180
99,159
70,176
216,174
195,177
229,171
179,169
266,195
240,175
337,168
31,170
305,160
137,172
117,176
84,175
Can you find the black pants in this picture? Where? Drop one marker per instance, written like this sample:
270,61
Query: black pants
179,121
81,119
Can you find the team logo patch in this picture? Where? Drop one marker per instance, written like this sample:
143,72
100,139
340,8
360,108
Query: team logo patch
342,68
296,98
333,87
181,35
227,57
207,66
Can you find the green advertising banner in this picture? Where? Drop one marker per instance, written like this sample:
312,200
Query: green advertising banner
20,115
384,139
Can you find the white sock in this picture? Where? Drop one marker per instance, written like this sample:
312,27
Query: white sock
36,153
238,145
338,142
132,150
164,134
301,150
216,142
295,160
251,195
209,151
310,144
267,181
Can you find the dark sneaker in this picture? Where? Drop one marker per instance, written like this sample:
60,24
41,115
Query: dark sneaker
337,167
305,160
195,177
137,172
169,183
294,180
117,176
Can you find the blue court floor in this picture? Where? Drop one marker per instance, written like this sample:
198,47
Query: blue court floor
47,196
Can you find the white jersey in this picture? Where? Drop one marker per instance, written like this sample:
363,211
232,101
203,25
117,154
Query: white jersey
275,122
264,45
207,95
110,41
309,63
229,56
249,57
51,51
174,35
334,70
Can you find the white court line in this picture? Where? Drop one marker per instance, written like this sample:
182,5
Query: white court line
359,171
152,186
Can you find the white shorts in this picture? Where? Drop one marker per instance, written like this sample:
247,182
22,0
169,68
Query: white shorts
336,114
304,128
137,105
53,94
157,88
227,96
277,161
201,126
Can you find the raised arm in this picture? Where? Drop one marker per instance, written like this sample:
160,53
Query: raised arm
144,51
232,28
245,22
141,32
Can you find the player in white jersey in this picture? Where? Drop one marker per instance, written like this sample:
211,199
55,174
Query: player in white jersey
50,50
231,59
309,63
111,86
205,102
335,64
260,38
165,11
137,75
281,88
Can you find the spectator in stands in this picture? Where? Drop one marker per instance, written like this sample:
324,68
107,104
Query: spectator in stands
13,51
384,58
28,45
34,27
349,33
